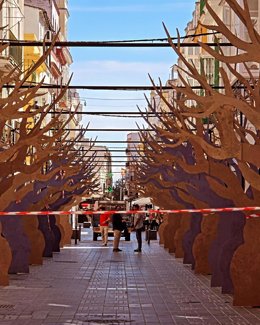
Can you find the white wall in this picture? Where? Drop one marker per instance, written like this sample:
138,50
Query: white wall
32,21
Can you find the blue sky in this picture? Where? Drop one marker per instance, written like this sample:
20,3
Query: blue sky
121,20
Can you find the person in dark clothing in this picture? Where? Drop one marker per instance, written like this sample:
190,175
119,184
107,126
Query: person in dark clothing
118,226
146,222
154,225
138,227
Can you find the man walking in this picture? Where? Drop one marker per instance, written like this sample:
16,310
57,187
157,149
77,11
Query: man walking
118,226
104,222
138,227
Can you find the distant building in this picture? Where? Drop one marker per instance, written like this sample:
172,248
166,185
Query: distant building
103,161
134,147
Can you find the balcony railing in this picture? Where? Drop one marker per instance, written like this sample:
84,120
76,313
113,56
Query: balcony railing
15,52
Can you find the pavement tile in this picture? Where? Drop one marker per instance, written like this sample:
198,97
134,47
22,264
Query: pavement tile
89,284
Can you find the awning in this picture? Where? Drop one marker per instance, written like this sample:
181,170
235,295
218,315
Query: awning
142,201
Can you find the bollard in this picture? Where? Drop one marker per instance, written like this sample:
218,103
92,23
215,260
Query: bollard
76,234
79,232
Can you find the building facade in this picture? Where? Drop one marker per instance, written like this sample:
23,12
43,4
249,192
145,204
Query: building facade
11,28
134,148
103,166
205,63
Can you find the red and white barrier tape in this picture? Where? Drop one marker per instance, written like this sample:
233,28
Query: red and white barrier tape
24,213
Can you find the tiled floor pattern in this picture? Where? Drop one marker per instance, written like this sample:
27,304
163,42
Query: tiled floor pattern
89,284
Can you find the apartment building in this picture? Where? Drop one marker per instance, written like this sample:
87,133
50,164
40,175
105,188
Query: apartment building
11,28
135,147
103,166
43,19
204,63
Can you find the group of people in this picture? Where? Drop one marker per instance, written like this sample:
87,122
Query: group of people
119,225
153,221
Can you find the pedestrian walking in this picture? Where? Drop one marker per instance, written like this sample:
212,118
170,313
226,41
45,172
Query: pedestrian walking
104,223
138,227
118,227
146,222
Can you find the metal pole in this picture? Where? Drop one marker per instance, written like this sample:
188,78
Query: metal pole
79,232
76,230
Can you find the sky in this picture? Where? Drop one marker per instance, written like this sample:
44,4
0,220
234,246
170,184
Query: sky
108,20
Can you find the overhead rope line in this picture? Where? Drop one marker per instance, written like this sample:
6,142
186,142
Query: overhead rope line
114,114
123,88
111,106
107,44
138,42
165,38
112,141
96,98
113,150
104,130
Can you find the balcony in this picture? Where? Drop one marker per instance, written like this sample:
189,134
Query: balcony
11,57
15,52
64,55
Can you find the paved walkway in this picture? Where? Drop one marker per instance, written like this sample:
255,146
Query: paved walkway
89,284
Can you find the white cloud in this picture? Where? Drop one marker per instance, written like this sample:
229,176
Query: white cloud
119,72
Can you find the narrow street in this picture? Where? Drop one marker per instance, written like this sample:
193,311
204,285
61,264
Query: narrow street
89,284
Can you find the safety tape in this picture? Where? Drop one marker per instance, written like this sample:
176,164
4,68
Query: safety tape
203,211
